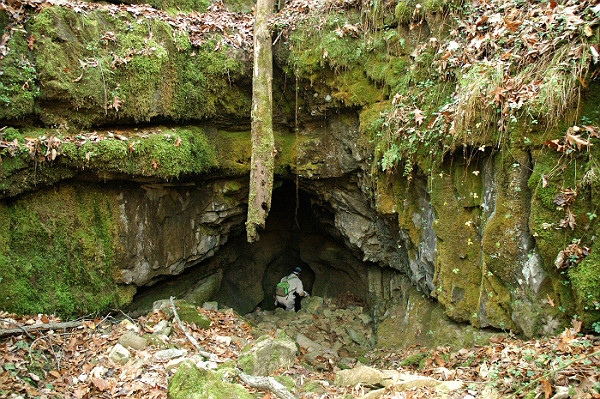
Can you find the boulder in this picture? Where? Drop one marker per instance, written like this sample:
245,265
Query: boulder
187,312
162,328
191,382
210,306
128,325
169,354
361,374
119,354
268,355
190,314
204,290
315,349
133,341
174,364
312,304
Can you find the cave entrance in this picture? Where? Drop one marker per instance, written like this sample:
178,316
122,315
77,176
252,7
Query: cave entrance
243,276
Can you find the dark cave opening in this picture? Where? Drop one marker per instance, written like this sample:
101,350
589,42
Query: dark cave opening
243,276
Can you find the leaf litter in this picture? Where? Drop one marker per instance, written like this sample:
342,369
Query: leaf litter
75,363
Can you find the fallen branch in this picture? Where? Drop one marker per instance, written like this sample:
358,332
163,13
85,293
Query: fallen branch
190,337
37,327
267,384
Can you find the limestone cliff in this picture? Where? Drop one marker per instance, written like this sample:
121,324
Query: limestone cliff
125,156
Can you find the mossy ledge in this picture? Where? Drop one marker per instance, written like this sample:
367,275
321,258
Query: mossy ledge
74,70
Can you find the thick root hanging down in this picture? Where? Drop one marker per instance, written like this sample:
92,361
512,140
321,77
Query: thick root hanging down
263,143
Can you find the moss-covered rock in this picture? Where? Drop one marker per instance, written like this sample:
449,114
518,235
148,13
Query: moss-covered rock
458,273
414,319
574,288
176,5
99,67
19,78
267,355
190,314
58,253
191,382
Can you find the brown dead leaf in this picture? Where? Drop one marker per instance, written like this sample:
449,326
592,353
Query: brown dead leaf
512,26
31,41
439,360
131,146
547,388
419,116
577,324
54,374
177,142
550,300
80,393
101,384
154,164
556,145
89,324
592,130
116,103
569,220
575,139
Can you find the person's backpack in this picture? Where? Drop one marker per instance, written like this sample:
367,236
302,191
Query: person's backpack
283,288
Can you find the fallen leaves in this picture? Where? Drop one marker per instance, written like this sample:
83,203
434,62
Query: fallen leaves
75,364
236,30
419,116
86,372
573,141
576,140
31,41
546,388
116,103
571,255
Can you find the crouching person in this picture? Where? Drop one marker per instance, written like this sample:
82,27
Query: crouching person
287,289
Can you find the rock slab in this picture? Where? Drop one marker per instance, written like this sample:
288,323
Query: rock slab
268,355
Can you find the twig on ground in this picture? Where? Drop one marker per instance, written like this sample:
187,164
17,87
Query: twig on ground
190,337
564,366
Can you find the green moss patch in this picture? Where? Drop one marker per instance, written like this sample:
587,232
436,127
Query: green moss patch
57,253
191,382
166,153
97,68
18,80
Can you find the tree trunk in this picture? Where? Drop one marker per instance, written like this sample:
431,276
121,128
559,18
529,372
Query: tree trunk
263,147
